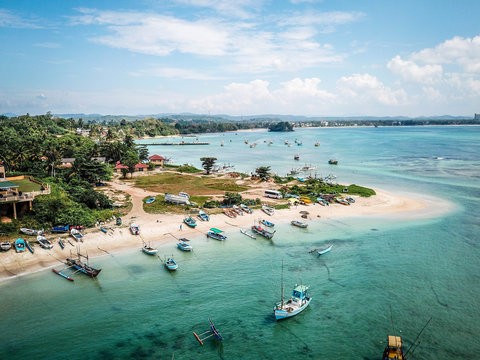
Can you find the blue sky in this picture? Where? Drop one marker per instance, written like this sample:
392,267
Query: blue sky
241,57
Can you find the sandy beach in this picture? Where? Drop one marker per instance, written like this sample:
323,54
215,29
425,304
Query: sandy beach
162,229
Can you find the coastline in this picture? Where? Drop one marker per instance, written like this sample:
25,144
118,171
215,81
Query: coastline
163,229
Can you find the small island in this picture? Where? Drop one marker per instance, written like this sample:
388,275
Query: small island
281,126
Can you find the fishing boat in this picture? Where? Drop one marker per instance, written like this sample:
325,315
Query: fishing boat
267,223
5,245
60,229
308,167
62,274
237,210
342,201
76,234
184,246
212,331
202,215
261,231
19,245
268,210
299,224
229,213
296,157
44,243
394,350
350,200
246,208
294,171
149,250
83,267
190,222
170,264
333,162
61,243
150,200
30,247
134,229
295,305
31,232
102,229
216,234
244,232
317,144
323,251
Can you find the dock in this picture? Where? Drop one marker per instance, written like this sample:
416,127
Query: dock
180,143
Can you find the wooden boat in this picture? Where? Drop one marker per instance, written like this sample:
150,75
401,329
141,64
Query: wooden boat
350,200
60,229
44,243
170,264
190,222
295,305
76,234
31,232
20,245
184,246
268,210
229,213
62,275
246,208
213,332
394,350
244,232
299,224
134,229
333,162
61,243
202,215
149,250
342,201
119,221
150,200
82,267
267,223
323,251
5,245
102,229
237,210
216,234
30,247
261,231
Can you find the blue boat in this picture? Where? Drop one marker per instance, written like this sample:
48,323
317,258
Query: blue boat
184,246
296,304
102,229
20,245
150,200
149,250
267,223
61,243
170,264
60,229
202,215
190,222
30,247
216,234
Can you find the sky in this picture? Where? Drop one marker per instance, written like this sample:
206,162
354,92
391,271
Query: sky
241,57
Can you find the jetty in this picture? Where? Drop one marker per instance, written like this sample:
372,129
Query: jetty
180,143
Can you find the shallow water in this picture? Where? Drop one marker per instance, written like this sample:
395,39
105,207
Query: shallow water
422,268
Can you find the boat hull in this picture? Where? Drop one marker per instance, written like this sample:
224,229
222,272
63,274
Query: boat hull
216,236
150,251
284,314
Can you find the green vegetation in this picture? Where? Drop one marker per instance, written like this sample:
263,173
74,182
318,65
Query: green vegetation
263,172
25,185
281,126
317,186
188,169
207,163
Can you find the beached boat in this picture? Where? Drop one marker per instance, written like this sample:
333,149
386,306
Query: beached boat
216,234
19,245
333,162
60,229
296,304
323,251
61,243
184,246
29,247
102,229
246,208
229,213
261,231
350,200
83,267
76,234
170,264
393,350
342,201
190,222
244,232
31,232
237,210
299,224
150,200
268,210
134,229
267,223
149,250
5,245
119,221
202,215
44,243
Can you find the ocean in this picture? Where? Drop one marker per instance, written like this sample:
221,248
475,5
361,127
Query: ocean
381,267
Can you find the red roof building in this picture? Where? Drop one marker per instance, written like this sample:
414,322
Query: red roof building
157,160
141,167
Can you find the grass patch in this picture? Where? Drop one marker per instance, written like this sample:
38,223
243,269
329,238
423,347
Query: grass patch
25,185
159,206
281,206
193,185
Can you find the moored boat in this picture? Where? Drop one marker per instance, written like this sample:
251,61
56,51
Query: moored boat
83,267
184,246
19,245
149,250
268,210
216,234
323,251
296,157
333,162
267,223
190,222
299,224
394,350
134,229
296,304
261,231
244,232
317,144
170,264
44,243
76,234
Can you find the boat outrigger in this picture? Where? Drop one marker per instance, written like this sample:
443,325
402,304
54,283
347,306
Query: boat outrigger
81,266
244,232
213,332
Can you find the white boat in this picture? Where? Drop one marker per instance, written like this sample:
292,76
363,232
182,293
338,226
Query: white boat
5,245
149,250
177,199
135,229
246,208
77,235
299,223
295,305
268,210
184,246
44,243
237,210
323,251
31,232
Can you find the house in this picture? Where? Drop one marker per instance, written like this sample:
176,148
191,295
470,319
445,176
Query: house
83,132
157,160
119,167
141,167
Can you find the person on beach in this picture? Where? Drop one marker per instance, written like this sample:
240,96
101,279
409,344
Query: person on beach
180,228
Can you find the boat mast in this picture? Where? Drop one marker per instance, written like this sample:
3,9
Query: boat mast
282,286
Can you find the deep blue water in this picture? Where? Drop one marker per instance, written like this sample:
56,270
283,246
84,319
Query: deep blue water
422,268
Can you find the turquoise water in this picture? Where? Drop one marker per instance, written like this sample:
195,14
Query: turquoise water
421,267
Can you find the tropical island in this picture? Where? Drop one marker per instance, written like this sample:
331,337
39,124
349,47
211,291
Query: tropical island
281,126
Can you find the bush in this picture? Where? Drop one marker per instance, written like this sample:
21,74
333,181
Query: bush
188,169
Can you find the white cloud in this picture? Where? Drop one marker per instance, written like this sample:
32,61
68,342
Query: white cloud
10,20
232,8
175,73
410,71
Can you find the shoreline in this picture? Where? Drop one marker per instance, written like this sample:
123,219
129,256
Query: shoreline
161,229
